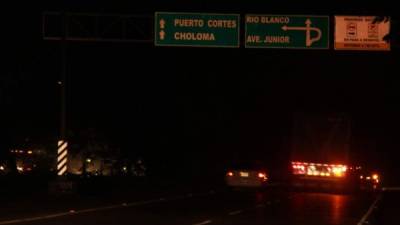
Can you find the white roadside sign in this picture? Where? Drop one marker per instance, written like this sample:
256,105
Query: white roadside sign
361,33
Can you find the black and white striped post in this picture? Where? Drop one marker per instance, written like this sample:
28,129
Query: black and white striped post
62,147
62,157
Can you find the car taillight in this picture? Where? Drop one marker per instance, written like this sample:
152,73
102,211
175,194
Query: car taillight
262,175
375,177
229,174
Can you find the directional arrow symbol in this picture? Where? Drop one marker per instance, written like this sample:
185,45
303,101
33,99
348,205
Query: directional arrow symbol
308,22
162,23
307,29
162,35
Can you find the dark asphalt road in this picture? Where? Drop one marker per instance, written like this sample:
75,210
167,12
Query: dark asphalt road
386,210
221,207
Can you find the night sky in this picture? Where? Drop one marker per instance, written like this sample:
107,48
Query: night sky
196,106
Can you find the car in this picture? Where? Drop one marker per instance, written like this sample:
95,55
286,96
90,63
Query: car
246,175
370,180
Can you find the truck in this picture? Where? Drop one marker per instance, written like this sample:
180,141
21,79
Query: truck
320,152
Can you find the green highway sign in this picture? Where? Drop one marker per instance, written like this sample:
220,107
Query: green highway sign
196,29
284,31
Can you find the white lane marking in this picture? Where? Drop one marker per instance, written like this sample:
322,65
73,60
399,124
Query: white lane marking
204,222
75,212
235,212
71,212
141,203
391,189
34,218
371,208
99,209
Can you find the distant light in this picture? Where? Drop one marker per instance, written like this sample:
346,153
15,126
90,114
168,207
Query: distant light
20,151
262,175
1,167
88,160
29,152
339,170
59,82
229,174
368,178
124,168
361,177
375,176
19,168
